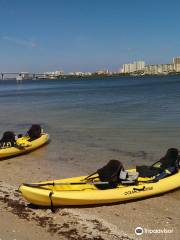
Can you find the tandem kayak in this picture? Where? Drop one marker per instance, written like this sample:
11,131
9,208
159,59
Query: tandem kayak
24,146
75,191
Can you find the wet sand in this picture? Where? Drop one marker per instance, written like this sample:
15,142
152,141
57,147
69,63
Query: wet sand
20,221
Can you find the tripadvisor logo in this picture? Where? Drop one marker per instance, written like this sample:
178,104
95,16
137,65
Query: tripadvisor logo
139,231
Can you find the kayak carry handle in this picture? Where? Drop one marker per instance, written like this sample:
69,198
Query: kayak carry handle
139,189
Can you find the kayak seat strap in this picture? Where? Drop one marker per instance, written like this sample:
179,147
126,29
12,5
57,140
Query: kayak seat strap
90,177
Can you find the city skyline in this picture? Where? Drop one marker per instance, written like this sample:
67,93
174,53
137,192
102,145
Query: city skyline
137,67
160,68
39,36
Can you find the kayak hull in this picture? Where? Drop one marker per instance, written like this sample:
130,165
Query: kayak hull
88,194
31,145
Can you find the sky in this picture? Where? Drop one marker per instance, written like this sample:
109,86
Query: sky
86,35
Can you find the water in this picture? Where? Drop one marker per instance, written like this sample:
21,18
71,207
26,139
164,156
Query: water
93,120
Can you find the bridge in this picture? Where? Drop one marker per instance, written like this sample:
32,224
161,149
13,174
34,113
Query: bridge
32,75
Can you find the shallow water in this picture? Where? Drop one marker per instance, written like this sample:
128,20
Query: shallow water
93,120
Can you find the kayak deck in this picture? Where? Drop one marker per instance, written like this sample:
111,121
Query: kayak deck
26,146
87,194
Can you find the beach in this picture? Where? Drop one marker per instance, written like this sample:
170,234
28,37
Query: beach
19,220
90,122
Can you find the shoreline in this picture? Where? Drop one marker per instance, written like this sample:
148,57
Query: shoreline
116,221
69,77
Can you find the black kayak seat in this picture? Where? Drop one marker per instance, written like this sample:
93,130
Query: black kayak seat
34,132
8,139
114,173
168,163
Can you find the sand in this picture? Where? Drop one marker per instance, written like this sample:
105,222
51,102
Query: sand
20,221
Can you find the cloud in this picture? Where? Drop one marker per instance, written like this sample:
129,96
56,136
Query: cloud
21,42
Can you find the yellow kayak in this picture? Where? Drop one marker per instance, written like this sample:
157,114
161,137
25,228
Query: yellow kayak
74,191
24,146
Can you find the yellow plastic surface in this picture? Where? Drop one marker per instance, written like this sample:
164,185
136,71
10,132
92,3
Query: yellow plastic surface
24,146
89,194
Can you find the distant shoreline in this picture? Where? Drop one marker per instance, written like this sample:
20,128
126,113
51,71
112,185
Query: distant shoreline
97,76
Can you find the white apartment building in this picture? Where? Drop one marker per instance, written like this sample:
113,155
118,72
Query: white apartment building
133,67
54,75
158,68
176,63
139,66
151,69
166,68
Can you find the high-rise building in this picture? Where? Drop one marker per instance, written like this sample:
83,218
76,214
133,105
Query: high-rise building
128,68
133,67
139,66
151,69
176,62
159,69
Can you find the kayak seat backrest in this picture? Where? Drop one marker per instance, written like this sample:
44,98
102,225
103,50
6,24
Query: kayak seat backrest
8,139
34,132
169,161
111,171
